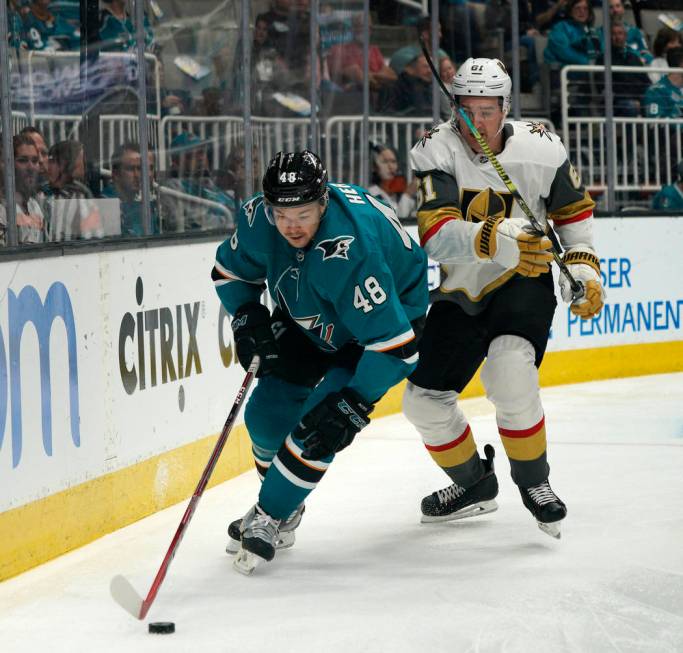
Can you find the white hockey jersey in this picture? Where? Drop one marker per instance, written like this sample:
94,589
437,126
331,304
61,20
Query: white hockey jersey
460,188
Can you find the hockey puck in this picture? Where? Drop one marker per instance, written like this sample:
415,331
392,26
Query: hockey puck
161,627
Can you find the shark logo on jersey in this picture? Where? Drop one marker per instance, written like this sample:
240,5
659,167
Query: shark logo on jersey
540,129
250,210
335,247
310,323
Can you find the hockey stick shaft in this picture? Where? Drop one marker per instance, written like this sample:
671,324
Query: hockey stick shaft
121,582
578,290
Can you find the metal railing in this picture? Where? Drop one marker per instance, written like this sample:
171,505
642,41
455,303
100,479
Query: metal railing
188,199
270,135
342,136
116,129
646,149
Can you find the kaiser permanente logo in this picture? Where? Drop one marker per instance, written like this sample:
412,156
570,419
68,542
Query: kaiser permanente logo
25,308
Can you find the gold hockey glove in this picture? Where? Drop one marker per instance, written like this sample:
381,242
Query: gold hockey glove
585,267
504,241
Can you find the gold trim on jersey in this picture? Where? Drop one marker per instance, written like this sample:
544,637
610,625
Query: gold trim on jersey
427,219
496,283
572,210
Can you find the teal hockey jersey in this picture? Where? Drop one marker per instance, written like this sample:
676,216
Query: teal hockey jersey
360,279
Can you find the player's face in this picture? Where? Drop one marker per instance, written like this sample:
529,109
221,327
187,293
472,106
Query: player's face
298,224
487,116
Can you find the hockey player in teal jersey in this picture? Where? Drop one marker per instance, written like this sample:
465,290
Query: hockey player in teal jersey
349,288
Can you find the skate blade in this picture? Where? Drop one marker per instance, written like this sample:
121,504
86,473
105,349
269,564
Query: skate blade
245,562
552,529
476,509
285,541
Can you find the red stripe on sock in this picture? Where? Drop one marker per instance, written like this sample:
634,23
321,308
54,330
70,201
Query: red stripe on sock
523,433
443,447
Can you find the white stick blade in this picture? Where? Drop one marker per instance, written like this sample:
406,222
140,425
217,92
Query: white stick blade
125,595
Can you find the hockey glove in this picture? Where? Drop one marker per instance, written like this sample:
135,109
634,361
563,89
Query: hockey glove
331,426
506,242
584,266
253,335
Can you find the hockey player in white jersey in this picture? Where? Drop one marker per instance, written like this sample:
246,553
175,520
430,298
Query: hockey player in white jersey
497,300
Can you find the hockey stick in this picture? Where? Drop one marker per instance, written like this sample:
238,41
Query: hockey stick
578,290
121,589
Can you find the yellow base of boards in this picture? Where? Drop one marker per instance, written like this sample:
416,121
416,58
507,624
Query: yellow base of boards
49,527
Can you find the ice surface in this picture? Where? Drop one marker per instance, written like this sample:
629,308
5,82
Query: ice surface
365,575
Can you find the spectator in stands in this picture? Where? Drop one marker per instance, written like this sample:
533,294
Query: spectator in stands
269,70
548,12
15,25
117,28
190,176
665,40
71,211
407,54
345,62
446,70
463,37
288,29
126,185
628,88
665,98
231,176
45,31
39,141
390,186
412,93
573,40
30,212
670,198
498,16
635,39
210,104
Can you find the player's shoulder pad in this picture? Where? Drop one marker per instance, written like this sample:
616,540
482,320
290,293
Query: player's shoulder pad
434,148
535,142
253,224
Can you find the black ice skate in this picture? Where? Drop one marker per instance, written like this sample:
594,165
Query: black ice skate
286,538
545,506
260,533
456,502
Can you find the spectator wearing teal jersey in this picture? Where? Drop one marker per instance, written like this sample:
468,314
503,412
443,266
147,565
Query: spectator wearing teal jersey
117,28
670,198
573,41
665,98
635,39
126,186
190,175
47,32
15,36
